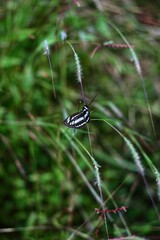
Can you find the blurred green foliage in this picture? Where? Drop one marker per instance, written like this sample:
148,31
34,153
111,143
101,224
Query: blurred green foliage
42,194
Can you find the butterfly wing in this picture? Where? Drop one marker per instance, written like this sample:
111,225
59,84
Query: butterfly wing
79,119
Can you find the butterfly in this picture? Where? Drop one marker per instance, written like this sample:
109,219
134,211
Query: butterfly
79,119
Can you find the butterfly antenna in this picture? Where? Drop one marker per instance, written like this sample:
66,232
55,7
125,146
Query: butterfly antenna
92,99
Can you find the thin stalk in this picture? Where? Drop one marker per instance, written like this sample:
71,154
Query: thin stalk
98,181
138,68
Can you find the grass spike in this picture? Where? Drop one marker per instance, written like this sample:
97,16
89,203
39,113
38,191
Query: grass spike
137,161
48,53
98,181
139,71
78,70
158,182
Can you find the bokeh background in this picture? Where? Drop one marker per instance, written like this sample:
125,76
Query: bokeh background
44,166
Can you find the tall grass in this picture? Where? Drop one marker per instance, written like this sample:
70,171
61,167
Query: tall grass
47,172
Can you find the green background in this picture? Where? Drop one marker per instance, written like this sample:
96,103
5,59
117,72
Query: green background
44,166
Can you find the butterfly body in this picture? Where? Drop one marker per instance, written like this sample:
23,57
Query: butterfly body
79,119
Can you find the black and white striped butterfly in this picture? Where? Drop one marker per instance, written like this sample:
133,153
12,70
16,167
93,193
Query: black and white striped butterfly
79,119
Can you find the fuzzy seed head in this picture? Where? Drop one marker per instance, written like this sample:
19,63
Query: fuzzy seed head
46,48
